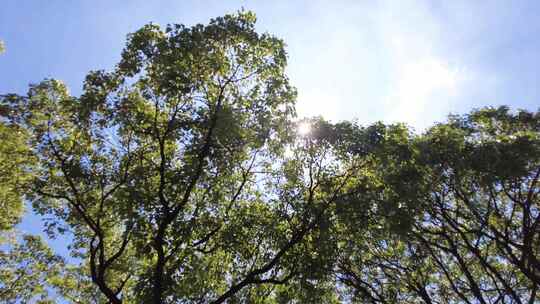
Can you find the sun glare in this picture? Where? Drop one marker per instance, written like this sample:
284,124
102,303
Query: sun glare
304,128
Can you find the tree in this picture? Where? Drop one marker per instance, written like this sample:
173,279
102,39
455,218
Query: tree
375,262
13,153
182,178
16,161
475,237
23,266
170,170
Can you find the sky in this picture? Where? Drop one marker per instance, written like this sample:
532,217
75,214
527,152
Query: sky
406,61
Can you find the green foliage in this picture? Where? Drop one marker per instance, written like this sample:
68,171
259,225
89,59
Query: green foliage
169,170
474,234
25,271
16,162
31,273
183,179
13,154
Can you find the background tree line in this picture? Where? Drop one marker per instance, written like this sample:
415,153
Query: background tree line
182,178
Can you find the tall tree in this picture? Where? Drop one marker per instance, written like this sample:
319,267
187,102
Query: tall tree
475,238
25,268
16,161
170,169
183,178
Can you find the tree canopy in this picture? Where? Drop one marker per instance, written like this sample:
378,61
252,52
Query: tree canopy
182,178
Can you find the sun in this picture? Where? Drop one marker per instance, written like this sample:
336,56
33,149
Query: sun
304,128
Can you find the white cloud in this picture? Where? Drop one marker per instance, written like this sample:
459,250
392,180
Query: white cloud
423,88
316,102
425,84
384,60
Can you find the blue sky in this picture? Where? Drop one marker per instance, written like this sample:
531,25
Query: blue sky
410,61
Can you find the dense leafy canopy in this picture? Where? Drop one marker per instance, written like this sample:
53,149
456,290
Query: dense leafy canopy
16,162
182,178
14,155
474,234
